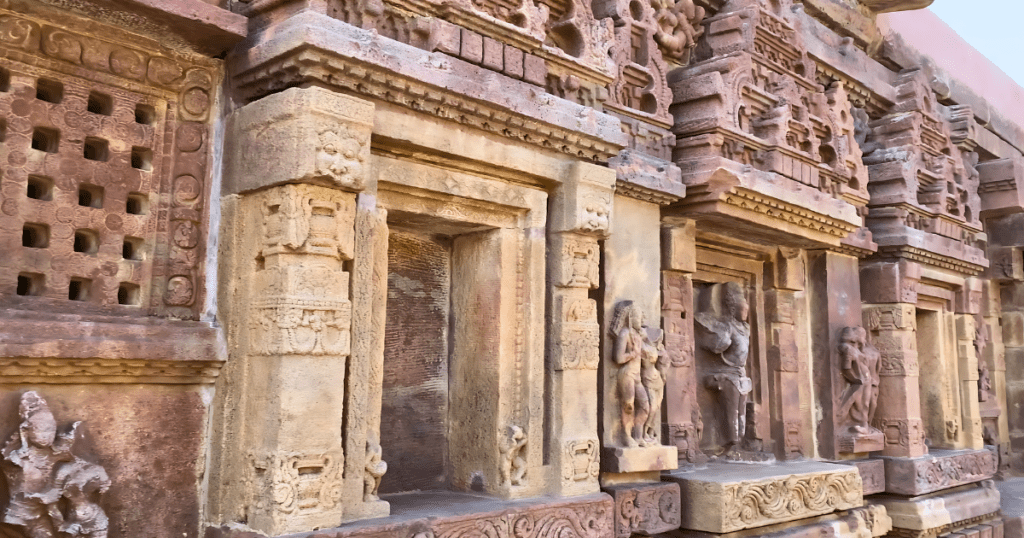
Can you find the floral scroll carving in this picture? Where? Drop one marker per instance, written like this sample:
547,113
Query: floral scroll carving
756,504
582,461
294,483
52,492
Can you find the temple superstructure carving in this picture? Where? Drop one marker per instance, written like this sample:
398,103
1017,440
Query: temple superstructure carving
505,268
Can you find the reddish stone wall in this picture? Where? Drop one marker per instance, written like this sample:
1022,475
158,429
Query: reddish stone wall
415,408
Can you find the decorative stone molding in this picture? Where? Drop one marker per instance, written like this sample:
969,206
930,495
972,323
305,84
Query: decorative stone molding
729,497
934,515
311,46
1002,187
647,178
645,509
939,470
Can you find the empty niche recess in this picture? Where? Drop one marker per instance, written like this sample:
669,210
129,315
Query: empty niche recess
49,90
78,289
34,235
142,158
100,103
96,149
30,284
131,249
90,196
39,188
145,114
45,139
128,294
87,242
137,204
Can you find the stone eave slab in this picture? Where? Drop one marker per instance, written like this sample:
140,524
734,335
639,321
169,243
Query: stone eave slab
939,470
728,497
771,207
211,30
312,47
931,249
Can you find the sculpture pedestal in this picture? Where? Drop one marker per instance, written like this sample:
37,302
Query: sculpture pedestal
861,443
640,459
729,497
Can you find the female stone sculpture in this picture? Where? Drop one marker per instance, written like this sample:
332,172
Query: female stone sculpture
627,328
861,364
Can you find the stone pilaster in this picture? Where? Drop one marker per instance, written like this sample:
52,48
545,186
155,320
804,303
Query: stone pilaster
790,273
889,292
682,422
300,159
580,217
966,338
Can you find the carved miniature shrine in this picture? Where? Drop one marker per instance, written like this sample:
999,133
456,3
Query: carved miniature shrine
518,268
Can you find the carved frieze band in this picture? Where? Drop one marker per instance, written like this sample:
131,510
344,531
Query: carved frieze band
758,203
108,371
646,509
757,504
942,470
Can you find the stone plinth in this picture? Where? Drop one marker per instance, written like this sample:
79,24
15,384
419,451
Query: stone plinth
640,459
939,513
645,508
872,474
939,470
865,522
731,497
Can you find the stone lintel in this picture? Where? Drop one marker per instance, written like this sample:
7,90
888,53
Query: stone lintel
861,522
765,206
313,47
62,348
639,459
729,497
939,513
645,508
459,514
888,6
939,470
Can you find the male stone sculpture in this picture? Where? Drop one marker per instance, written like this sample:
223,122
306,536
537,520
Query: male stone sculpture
513,469
861,364
374,471
42,475
726,333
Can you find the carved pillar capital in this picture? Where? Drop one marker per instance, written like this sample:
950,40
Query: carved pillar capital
309,135
583,203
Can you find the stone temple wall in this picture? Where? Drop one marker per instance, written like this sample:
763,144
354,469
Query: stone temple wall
506,268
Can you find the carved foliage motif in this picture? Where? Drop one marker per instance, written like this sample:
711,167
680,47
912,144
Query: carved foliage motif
676,318
646,510
53,492
902,432
580,521
579,338
757,504
946,472
294,483
582,460
580,258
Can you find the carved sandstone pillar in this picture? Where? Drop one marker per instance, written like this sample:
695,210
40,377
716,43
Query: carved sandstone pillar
889,315
683,422
299,158
580,216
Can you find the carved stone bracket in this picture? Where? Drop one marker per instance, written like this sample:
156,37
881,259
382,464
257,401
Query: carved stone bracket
647,178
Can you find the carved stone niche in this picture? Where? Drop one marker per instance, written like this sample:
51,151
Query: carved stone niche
722,332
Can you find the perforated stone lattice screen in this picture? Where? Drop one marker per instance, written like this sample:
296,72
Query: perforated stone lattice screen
78,177
103,159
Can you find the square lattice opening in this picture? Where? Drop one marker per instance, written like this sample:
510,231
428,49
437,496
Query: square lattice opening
39,188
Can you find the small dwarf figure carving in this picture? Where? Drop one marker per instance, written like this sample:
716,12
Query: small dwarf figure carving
43,475
373,472
861,365
513,469
724,331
